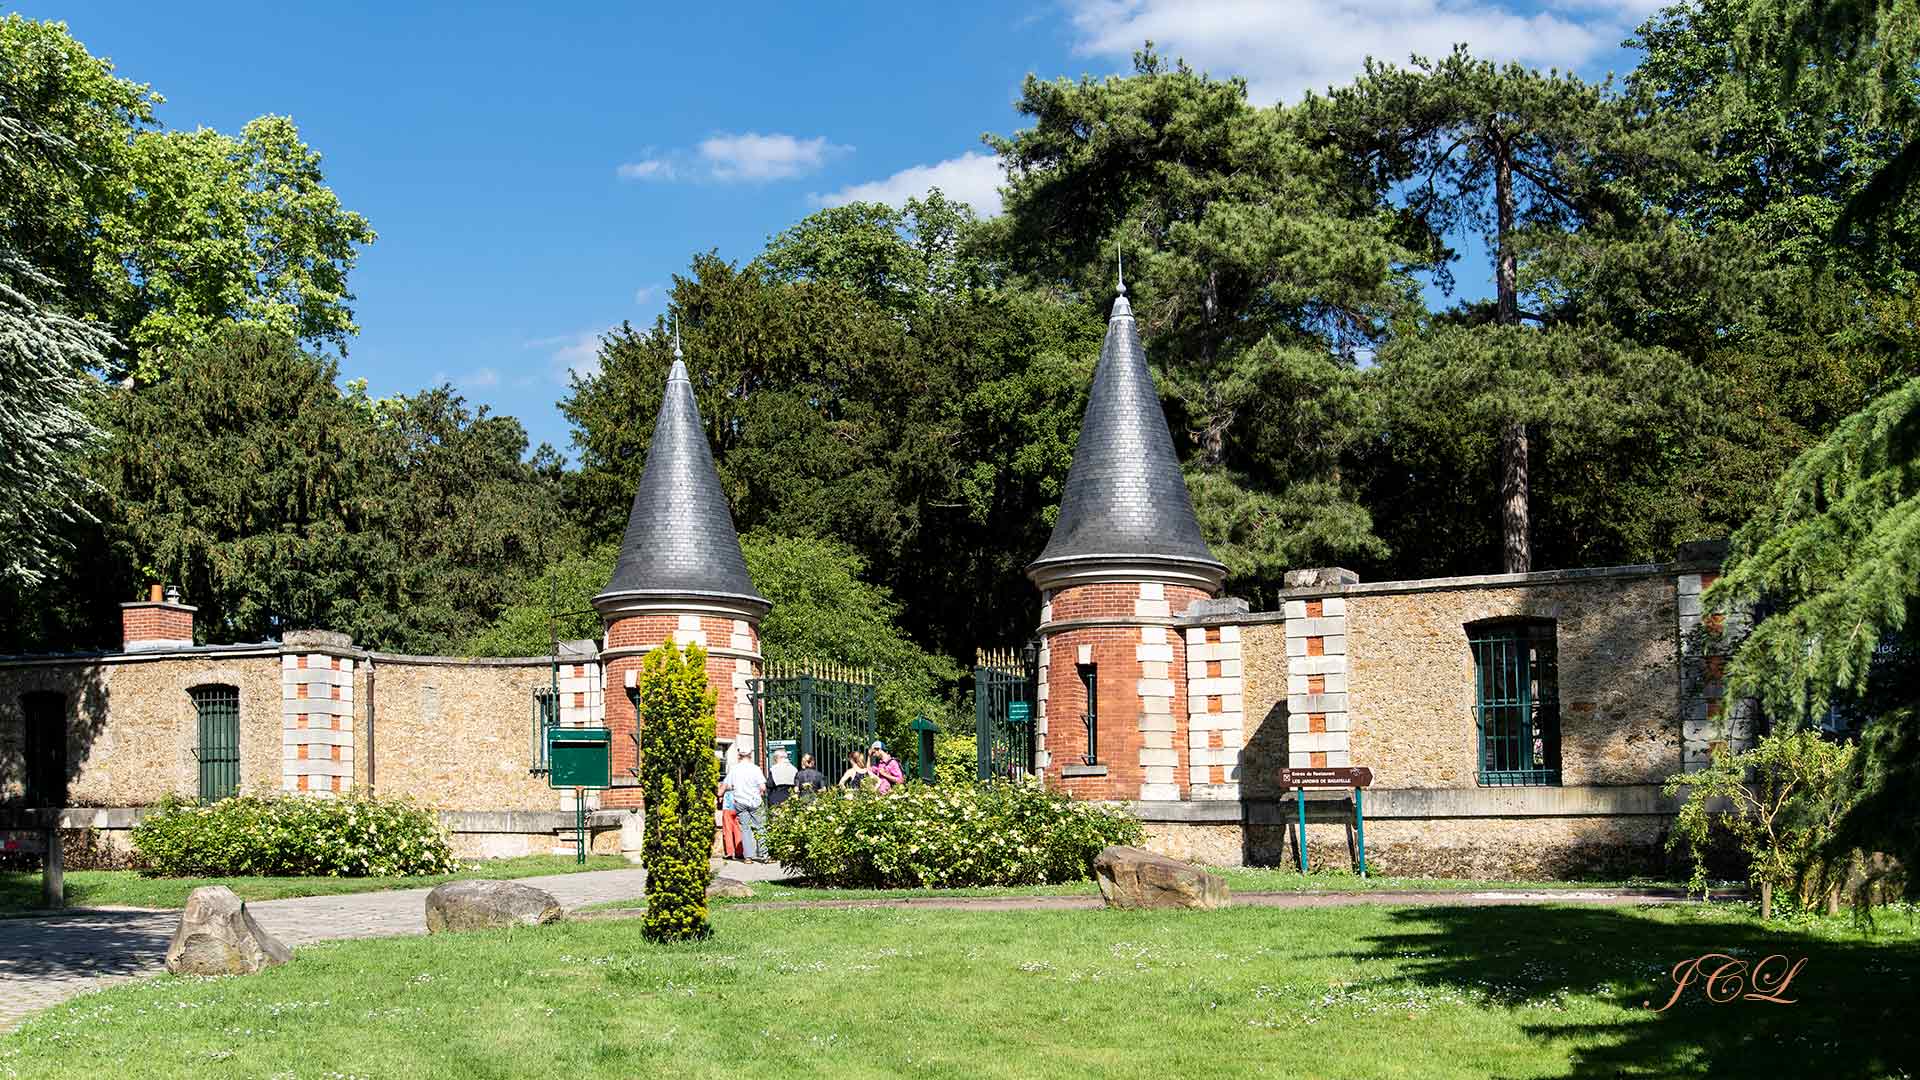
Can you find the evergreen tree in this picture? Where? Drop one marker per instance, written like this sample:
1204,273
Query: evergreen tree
1833,562
1522,159
678,775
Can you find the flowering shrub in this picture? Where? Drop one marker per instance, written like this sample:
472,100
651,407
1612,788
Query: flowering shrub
293,836
937,835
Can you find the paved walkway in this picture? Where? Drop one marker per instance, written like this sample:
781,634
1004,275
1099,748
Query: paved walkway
45,960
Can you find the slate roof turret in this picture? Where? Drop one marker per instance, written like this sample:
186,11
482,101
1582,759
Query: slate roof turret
1125,506
680,542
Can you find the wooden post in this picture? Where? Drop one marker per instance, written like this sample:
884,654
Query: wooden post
53,879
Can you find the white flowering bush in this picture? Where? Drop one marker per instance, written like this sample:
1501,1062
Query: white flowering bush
945,835
293,836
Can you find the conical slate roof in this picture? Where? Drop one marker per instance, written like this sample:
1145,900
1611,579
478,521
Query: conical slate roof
680,539
1125,499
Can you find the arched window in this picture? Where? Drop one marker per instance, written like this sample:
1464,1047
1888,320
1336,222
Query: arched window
45,713
1516,701
217,707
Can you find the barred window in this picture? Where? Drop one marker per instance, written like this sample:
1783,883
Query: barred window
45,714
1090,682
217,708
1516,701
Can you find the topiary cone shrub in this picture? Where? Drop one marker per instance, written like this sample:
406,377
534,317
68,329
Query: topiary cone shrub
945,836
678,777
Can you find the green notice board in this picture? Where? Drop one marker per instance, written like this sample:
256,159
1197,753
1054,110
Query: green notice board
1019,712
579,757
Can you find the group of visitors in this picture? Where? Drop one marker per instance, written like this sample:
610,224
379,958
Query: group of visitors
882,768
746,792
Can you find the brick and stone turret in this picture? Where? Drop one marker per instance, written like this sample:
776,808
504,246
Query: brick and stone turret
1125,558
680,577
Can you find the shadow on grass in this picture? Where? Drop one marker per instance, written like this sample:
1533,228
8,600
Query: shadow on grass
1855,1000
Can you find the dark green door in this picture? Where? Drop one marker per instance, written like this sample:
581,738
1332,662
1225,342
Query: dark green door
46,716
219,750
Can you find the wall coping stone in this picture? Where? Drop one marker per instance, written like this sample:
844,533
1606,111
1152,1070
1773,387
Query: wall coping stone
1449,584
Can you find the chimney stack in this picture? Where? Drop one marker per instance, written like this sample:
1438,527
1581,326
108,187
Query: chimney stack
159,622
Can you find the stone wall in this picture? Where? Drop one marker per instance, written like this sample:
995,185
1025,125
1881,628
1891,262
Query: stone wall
132,729
458,736
1412,679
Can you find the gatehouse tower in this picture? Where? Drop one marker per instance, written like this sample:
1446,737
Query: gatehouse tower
1126,557
680,577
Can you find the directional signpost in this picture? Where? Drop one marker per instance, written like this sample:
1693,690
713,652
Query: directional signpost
1358,779
580,758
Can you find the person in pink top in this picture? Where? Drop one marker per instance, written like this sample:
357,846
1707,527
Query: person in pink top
884,768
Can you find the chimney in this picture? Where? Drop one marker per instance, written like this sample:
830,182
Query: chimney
159,622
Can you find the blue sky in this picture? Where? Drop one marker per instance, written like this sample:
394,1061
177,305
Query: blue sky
538,174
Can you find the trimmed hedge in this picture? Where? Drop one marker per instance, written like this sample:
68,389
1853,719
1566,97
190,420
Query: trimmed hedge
945,836
293,836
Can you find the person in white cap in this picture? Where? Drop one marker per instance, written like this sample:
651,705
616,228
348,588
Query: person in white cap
749,787
884,769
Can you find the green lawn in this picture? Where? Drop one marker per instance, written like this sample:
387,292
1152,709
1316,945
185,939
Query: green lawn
1360,991
1239,879
126,888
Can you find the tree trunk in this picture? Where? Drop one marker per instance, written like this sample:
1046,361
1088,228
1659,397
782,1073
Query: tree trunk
1766,900
1515,494
1516,551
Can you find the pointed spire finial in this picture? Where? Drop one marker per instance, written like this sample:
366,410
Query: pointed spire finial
1120,263
676,339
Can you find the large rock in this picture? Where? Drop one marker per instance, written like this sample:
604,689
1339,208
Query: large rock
483,905
1132,877
217,936
728,887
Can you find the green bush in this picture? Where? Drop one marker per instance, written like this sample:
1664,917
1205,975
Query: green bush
293,836
940,835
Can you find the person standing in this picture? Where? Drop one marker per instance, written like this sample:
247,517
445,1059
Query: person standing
808,778
749,787
885,769
781,773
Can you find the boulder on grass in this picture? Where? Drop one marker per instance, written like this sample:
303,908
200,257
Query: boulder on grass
728,887
1132,877
217,936
483,905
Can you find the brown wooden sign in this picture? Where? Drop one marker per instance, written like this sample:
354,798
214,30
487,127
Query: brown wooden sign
1327,778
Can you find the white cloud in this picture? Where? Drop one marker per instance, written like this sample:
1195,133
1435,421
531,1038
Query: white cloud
484,378
1285,47
647,294
647,169
746,157
973,178
571,354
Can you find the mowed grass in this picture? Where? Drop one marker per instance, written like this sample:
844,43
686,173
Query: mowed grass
1348,992
20,891
1239,879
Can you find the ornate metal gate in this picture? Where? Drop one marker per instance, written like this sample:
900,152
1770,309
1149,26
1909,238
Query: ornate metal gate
1003,708
826,710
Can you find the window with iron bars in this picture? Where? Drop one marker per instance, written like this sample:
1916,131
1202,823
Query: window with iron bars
217,709
1516,702
1090,682
546,714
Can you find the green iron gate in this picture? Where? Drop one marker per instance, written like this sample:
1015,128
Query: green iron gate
827,710
1003,708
